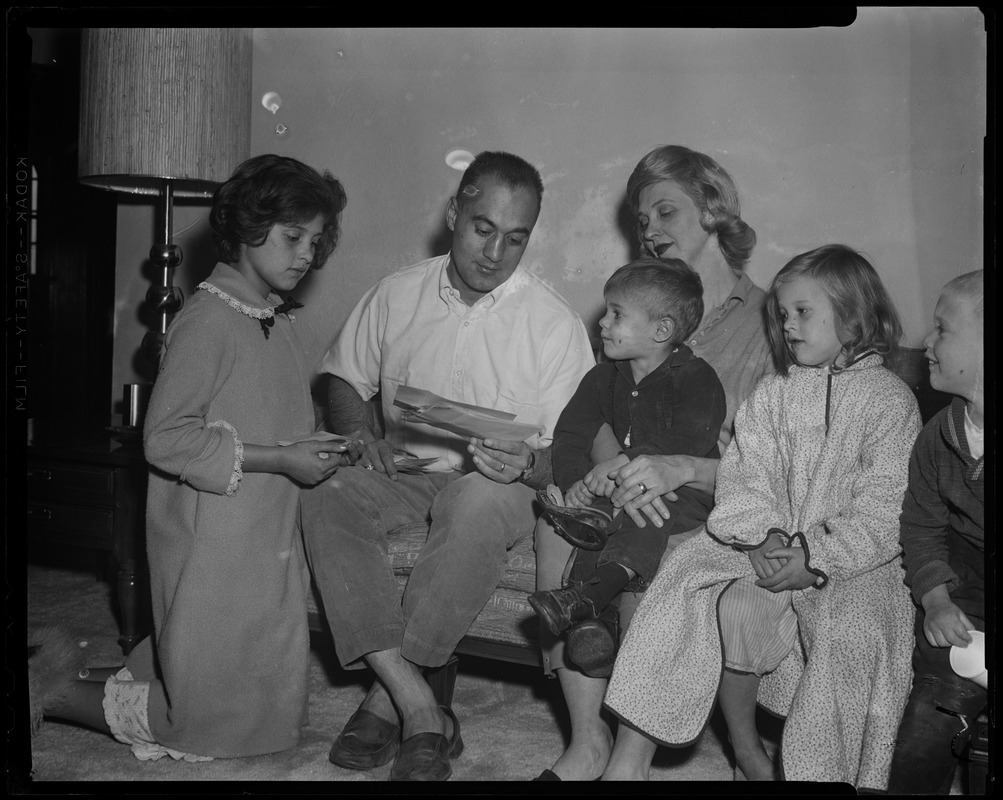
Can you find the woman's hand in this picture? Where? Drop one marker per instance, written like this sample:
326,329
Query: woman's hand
647,477
944,624
578,496
765,567
792,575
501,461
642,483
310,463
599,481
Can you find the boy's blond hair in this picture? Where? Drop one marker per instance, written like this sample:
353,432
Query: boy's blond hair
971,285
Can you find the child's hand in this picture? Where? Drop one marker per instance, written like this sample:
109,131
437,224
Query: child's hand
765,567
578,496
944,623
310,463
792,575
599,481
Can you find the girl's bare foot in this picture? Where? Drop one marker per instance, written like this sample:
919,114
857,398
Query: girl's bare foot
754,764
586,756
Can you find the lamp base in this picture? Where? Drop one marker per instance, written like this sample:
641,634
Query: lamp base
153,343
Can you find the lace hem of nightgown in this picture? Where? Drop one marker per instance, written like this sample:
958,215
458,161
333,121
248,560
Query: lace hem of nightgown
125,707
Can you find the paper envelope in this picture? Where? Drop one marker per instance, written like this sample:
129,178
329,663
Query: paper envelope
420,405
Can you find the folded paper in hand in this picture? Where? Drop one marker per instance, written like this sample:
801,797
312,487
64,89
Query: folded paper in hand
337,441
410,465
462,419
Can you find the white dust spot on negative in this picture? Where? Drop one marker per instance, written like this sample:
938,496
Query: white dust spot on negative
284,555
271,101
459,159
617,164
773,247
553,176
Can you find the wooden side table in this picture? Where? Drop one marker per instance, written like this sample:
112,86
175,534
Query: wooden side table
93,495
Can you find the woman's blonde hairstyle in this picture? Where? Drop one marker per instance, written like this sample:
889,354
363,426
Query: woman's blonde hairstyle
710,188
865,317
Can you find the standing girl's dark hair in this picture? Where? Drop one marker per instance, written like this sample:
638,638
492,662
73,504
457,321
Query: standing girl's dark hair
268,190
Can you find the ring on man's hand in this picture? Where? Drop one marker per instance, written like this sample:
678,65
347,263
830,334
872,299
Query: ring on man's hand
642,487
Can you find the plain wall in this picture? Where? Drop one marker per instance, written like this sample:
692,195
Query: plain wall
870,135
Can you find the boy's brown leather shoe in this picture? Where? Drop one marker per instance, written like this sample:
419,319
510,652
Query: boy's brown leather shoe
561,608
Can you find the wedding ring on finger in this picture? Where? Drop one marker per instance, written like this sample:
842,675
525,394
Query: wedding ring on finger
642,487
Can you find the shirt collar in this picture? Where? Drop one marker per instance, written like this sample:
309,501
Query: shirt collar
742,289
952,428
679,356
227,279
451,294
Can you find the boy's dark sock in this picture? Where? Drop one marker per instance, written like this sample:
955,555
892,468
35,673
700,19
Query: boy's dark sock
606,583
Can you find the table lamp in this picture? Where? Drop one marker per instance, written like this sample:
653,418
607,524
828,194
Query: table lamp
164,112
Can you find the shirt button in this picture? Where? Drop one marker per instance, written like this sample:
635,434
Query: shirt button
634,393
694,341
466,324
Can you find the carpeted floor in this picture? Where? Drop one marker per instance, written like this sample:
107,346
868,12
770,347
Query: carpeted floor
512,718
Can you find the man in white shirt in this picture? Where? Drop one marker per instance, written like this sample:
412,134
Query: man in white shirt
473,327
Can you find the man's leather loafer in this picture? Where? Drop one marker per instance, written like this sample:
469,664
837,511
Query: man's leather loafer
425,756
366,741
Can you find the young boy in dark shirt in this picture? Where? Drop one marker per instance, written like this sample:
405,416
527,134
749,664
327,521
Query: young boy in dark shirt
659,399
943,536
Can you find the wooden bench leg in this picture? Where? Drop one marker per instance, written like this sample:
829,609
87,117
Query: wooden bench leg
442,681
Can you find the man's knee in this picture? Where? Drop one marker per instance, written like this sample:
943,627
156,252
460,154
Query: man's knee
344,495
485,509
472,491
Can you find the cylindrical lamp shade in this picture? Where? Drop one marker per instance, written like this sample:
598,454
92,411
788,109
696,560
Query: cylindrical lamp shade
160,103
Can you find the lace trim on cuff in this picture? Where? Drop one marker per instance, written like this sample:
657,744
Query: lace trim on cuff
238,455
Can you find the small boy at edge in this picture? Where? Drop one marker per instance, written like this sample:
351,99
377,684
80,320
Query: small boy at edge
943,536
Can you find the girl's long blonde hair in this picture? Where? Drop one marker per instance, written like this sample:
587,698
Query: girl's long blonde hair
865,317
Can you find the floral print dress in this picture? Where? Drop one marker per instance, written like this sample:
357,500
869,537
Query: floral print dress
824,455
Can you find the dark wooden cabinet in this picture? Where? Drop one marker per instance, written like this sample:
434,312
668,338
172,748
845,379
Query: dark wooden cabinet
92,496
